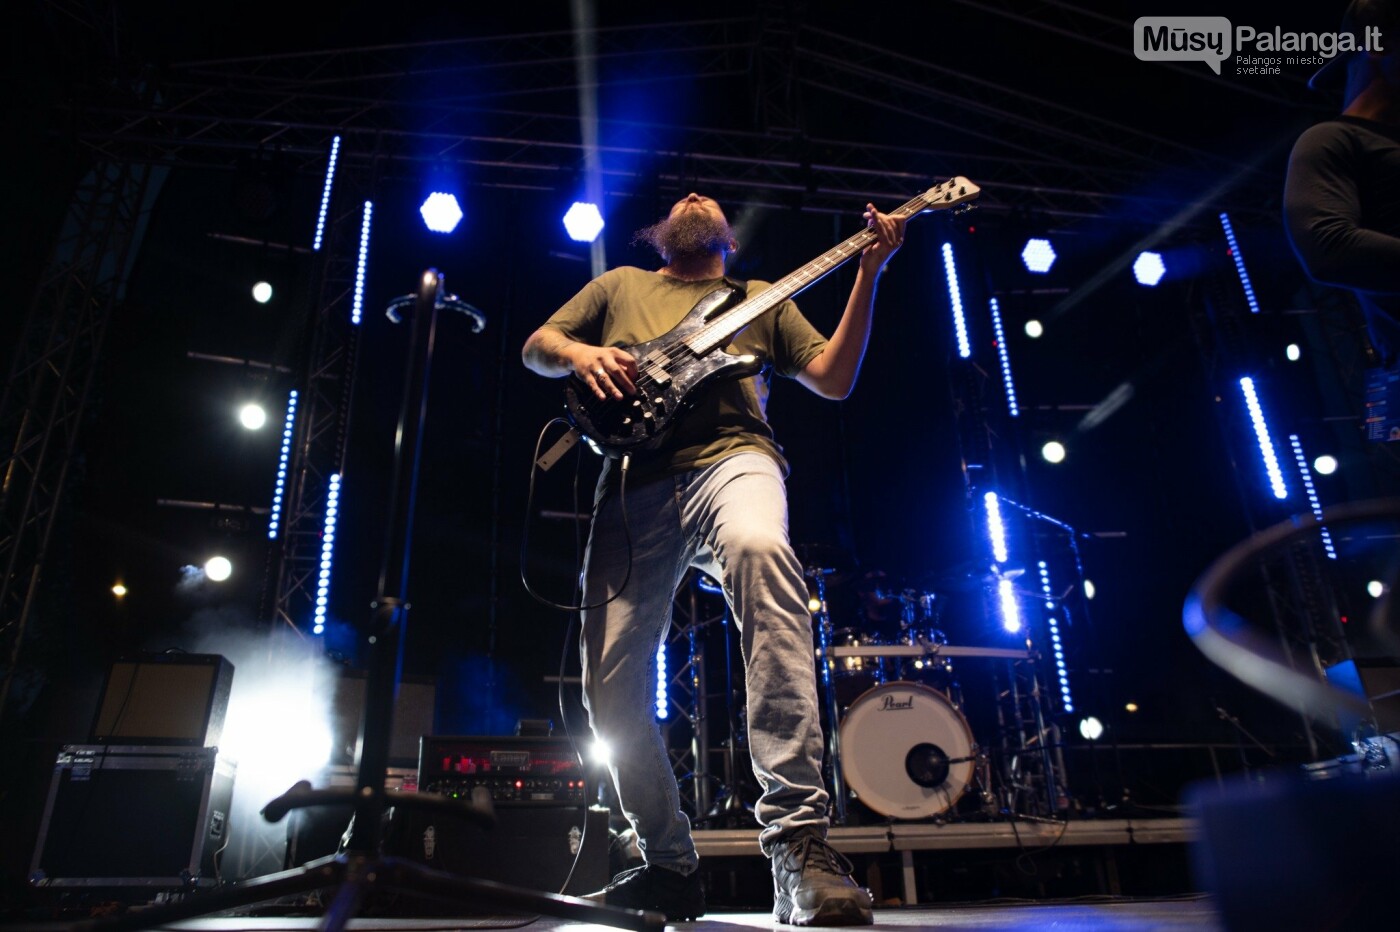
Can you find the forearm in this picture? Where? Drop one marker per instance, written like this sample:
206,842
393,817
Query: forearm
832,374
547,352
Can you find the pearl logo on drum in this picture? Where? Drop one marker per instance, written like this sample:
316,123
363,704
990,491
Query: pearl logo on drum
890,703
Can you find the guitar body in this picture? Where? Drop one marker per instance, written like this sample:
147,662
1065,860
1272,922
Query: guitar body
669,378
672,369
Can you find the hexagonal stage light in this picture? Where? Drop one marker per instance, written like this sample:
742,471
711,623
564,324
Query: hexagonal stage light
583,221
441,212
1038,255
1149,268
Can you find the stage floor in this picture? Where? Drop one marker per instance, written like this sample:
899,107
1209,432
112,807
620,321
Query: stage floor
1119,915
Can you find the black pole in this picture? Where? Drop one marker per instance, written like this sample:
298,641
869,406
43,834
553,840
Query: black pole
384,636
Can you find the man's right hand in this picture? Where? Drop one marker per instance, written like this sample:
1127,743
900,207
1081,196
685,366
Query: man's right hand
607,370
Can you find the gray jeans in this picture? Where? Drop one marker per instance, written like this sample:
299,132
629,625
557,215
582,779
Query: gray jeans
728,520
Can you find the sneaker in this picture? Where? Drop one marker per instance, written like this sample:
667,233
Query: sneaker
812,885
679,896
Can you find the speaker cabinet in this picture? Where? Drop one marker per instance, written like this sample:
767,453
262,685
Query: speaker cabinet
530,847
164,699
414,717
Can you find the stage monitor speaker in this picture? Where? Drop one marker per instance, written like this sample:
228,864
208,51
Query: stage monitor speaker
164,699
414,717
1282,852
533,848
128,816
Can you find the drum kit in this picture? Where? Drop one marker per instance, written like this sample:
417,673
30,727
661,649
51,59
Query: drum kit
901,731
899,742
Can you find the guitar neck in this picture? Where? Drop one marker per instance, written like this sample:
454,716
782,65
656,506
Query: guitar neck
730,322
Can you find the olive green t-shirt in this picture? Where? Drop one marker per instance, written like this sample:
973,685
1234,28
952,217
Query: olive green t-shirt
629,305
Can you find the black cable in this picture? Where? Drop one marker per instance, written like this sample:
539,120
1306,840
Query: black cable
563,706
525,532
577,606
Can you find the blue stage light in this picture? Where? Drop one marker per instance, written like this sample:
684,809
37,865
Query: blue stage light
1313,502
1052,617
1005,360
1010,610
950,269
1149,268
323,580
441,212
274,517
1038,255
1261,433
663,707
583,222
326,195
1239,263
359,302
996,531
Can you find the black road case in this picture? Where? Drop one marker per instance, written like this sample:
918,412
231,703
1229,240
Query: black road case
134,816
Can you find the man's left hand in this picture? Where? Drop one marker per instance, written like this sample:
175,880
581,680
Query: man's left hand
889,236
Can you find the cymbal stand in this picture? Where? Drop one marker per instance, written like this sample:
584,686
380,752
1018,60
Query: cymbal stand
361,867
828,682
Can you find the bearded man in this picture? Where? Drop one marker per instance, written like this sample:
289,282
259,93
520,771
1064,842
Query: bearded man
712,497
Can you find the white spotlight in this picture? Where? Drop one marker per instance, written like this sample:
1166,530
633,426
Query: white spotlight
1375,588
1038,255
218,569
1293,351
1089,589
441,212
583,222
1325,465
1034,329
1091,728
600,752
262,292
1053,451
252,416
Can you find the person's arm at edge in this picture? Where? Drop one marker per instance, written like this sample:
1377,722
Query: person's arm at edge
1323,214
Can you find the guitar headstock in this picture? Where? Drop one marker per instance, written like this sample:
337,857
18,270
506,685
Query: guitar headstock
956,190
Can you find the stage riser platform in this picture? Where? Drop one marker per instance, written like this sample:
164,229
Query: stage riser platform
916,862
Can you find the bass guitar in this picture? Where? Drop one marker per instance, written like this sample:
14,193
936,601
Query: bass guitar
674,367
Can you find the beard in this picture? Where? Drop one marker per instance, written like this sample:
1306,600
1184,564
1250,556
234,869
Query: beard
689,233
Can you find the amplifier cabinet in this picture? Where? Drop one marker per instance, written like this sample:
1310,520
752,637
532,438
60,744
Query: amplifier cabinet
134,816
164,699
532,847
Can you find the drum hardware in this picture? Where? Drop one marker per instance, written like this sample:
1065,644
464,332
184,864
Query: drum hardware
825,635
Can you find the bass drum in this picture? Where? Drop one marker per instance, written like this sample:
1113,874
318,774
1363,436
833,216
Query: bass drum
906,751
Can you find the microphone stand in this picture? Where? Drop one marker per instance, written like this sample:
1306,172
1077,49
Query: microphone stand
361,866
